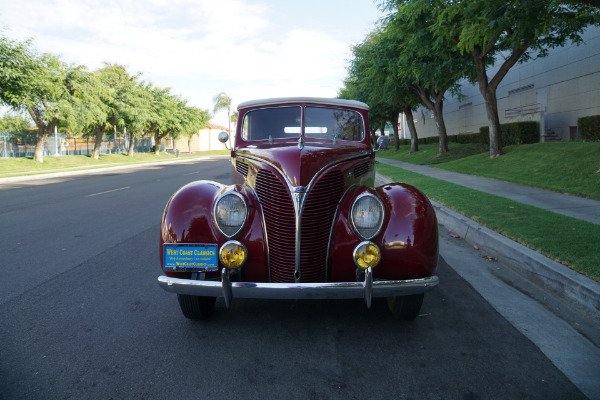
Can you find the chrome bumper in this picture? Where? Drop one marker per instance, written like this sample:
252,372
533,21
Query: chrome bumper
326,290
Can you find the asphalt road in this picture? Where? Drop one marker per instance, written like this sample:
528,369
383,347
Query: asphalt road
83,317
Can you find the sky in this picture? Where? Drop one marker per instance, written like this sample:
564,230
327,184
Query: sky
249,49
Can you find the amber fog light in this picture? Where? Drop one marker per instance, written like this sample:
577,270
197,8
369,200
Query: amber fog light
366,255
233,254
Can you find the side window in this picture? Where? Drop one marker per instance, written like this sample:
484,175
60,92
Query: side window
274,123
330,123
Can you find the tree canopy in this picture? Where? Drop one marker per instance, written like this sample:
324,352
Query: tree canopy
432,45
54,93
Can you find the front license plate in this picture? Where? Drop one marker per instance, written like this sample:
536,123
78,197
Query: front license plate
190,257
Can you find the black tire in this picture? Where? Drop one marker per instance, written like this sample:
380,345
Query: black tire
196,307
405,308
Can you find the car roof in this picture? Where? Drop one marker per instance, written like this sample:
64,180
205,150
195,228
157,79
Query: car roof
312,100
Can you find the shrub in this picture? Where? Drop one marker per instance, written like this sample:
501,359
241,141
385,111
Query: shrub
589,128
514,133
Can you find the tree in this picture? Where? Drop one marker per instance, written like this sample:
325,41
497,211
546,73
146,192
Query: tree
508,32
193,119
15,128
222,101
373,80
42,85
431,65
137,111
17,70
93,108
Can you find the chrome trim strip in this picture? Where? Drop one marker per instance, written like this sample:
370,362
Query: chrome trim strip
324,290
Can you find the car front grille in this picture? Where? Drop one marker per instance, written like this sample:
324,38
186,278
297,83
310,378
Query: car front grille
316,222
280,221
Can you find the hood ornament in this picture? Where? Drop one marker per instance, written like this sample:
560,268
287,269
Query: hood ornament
301,143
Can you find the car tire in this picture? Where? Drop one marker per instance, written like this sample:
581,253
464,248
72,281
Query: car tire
405,308
196,307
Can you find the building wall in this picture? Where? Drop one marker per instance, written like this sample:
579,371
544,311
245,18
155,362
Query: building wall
205,140
555,91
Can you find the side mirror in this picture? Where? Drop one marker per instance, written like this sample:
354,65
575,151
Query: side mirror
223,137
382,143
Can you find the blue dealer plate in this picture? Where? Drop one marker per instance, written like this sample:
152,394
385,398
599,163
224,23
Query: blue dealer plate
190,257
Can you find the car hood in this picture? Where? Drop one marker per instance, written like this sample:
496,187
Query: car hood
301,165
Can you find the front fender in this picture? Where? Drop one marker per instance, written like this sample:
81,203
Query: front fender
408,239
188,218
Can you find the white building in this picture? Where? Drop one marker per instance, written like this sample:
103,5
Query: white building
555,91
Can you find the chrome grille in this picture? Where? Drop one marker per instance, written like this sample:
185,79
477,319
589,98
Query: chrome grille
280,221
317,219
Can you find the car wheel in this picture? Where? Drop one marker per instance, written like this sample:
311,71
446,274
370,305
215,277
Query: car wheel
196,307
405,307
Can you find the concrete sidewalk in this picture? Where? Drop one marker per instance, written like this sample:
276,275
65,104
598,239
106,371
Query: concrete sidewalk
572,206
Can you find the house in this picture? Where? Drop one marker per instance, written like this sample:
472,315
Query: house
205,140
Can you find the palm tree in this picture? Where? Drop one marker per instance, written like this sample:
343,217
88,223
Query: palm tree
222,101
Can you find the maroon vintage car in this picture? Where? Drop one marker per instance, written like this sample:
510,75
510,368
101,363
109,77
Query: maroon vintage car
301,219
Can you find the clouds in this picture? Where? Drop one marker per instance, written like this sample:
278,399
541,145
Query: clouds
246,47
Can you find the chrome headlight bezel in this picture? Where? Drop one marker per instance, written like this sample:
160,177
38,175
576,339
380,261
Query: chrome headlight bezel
367,233
229,231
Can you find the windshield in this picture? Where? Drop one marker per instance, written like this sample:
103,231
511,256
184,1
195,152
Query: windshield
286,122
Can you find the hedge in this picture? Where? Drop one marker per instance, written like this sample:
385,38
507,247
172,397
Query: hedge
513,133
589,128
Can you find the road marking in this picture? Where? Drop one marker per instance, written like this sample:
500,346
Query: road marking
108,191
191,173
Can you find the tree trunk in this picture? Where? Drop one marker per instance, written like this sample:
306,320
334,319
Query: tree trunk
131,145
434,100
43,132
488,89
42,136
156,144
414,139
491,107
394,120
438,115
98,142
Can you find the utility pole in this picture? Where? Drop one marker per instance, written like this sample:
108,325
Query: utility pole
56,141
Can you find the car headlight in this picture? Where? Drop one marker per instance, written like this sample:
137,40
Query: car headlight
230,214
367,216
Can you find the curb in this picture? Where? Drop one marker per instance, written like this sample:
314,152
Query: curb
88,171
535,267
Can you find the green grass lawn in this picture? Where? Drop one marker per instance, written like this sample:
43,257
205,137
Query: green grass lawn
565,167
565,239
26,166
